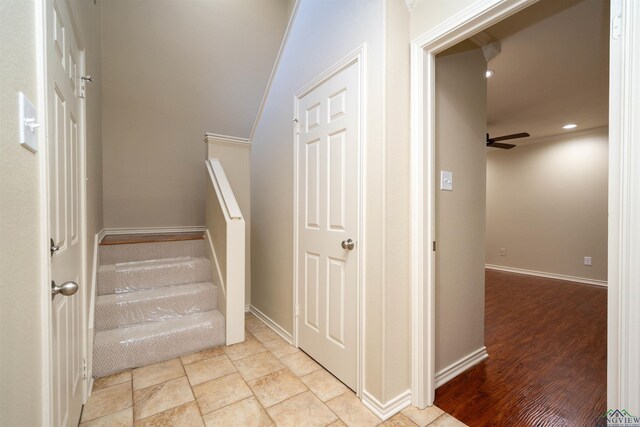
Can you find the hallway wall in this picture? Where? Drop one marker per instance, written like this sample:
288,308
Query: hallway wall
461,122
21,248
173,70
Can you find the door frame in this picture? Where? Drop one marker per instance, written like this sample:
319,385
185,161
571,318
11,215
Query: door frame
358,58
45,232
624,181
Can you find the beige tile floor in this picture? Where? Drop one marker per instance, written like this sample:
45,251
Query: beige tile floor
263,381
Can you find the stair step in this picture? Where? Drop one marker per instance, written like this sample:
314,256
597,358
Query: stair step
118,253
119,349
153,305
138,275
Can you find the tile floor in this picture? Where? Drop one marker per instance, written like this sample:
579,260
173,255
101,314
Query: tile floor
261,382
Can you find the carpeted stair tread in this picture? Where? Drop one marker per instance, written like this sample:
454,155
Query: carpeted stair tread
137,275
113,254
153,305
116,350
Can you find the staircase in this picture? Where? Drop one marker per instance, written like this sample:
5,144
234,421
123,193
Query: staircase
155,301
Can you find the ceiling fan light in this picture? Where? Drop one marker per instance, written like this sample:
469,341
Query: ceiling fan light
570,126
489,73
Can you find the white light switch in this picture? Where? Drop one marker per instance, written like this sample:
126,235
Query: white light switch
28,123
446,180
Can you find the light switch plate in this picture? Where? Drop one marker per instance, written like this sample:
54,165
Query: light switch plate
28,123
446,180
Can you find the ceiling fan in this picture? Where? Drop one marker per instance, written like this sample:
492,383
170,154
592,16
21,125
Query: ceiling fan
493,142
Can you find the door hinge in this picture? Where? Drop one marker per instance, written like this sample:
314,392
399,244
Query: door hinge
616,27
434,246
296,126
84,368
297,310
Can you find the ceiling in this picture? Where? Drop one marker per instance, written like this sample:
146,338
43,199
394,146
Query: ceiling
552,69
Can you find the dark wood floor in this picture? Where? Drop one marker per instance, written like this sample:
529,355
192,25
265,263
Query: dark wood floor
120,239
547,345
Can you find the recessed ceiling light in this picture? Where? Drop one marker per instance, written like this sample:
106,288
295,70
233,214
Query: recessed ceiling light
570,126
489,73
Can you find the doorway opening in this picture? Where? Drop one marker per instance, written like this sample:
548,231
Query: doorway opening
504,98
429,176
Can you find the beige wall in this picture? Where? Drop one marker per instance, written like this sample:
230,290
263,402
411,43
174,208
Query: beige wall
236,162
173,70
21,239
428,14
397,281
547,205
461,99
310,51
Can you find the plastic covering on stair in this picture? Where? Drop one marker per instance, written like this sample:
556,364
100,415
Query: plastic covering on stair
153,305
120,349
138,275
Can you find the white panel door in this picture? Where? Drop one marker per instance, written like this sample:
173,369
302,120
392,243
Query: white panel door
328,144
63,145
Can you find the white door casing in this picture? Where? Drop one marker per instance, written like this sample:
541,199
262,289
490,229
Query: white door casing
623,344
328,203
64,62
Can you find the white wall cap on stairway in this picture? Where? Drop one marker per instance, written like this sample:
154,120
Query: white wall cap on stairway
214,137
223,189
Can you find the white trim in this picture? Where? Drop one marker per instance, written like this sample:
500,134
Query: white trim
358,56
86,332
623,353
44,255
272,324
276,64
214,137
456,368
92,307
116,231
247,308
223,189
623,358
477,17
384,411
216,264
602,283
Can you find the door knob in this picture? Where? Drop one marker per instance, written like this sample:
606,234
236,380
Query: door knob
348,244
67,289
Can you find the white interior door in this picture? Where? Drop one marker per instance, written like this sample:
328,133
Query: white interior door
328,143
63,144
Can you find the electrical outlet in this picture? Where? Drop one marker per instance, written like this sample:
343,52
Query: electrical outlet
503,251
587,260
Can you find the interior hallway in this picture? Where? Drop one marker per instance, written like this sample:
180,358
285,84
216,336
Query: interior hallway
547,365
263,381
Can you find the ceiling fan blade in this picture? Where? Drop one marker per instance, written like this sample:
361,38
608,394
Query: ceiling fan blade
500,145
506,137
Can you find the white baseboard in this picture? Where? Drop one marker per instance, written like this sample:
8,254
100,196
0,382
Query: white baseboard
456,368
384,411
584,280
247,308
153,230
272,325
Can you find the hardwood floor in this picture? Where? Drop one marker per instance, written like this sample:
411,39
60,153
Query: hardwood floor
547,345
120,239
